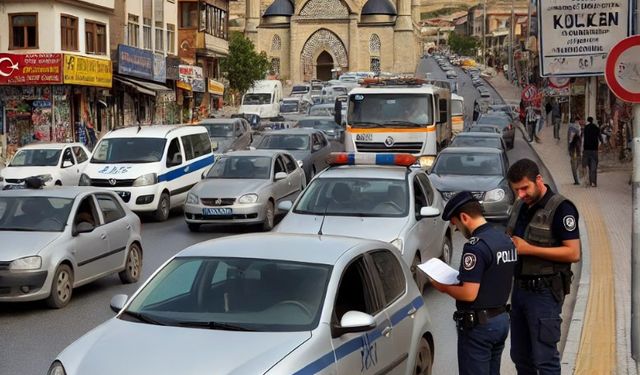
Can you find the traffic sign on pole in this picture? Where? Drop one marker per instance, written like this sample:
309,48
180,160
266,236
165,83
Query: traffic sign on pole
622,70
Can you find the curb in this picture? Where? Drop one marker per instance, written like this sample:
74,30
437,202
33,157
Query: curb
579,288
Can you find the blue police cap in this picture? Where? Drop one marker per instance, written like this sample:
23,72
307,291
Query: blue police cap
456,202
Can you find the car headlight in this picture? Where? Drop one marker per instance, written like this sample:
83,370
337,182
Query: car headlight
192,199
495,195
397,243
146,180
56,368
45,177
426,161
248,198
84,180
25,264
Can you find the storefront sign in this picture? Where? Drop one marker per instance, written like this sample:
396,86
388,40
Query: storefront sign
576,36
30,69
173,68
159,68
192,75
135,62
87,71
215,87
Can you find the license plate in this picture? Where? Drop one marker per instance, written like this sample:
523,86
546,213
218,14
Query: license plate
14,187
217,211
366,137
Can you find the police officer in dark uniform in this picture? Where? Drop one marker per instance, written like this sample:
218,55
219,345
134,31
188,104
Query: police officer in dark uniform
544,229
486,272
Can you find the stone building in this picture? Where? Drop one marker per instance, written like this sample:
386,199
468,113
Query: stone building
314,38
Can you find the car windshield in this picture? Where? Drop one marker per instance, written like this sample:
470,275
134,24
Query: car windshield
289,106
340,90
476,142
284,142
317,88
241,167
321,111
393,110
256,99
224,130
234,294
129,150
318,124
467,164
484,129
34,214
494,120
300,90
36,158
457,107
355,197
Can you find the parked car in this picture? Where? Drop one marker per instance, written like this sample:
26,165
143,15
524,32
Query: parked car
326,124
503,122
294,106
228,134
59,239
265,304
55,163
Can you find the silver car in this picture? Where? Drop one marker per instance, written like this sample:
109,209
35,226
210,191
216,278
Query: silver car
265,304
480,169
244,187
388,203
228,134
61,238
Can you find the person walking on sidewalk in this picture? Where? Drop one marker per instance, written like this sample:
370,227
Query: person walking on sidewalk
574,142
591,142
544,229
556,117
486,273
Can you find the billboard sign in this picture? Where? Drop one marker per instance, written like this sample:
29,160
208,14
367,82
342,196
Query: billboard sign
30,69
87,71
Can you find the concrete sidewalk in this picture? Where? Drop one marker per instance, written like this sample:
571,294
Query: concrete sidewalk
599,336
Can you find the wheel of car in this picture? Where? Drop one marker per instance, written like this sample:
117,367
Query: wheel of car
162,212
269,217
418,276
133,266
424,358
446,250
194,227
61,287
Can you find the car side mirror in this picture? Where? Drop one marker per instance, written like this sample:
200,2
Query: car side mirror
429,212
83,227
67,163
280,176
117,302
353,322
285,206
300,163
316,147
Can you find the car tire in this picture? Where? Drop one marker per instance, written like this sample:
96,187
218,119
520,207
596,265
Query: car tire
269,217
194,227
164,206
61,287
447,250
133,265
418,276
424,358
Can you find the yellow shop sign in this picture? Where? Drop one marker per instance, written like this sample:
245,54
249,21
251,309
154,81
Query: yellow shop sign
87,71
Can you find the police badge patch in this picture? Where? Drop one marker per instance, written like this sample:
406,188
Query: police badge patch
469,261
569,223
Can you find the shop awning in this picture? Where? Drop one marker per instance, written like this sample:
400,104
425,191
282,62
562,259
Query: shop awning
143,87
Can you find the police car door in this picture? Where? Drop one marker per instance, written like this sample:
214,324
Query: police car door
366,352
69,170
421,235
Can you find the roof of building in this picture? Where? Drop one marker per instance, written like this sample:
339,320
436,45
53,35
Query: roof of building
379,7
279,8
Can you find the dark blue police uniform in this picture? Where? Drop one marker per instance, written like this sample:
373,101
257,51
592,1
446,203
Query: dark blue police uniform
489,259
535,315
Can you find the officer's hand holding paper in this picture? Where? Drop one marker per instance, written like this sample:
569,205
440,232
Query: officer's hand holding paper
439,271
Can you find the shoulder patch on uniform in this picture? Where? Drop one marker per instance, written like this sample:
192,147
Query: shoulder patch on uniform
569,223
469,261
473,240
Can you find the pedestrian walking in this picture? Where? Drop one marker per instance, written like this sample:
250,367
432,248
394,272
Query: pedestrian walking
574,146
556,117
544,228
591,141
486,271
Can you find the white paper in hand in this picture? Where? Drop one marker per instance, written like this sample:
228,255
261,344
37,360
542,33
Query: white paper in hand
439,271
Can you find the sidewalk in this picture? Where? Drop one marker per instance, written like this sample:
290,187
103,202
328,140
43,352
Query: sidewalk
601,344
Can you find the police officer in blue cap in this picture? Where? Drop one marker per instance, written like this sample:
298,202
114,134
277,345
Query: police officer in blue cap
486,272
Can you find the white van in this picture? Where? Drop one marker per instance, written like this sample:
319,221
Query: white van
151,167
263,99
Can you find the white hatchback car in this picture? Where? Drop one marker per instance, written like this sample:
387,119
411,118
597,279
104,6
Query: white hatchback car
265,304
55,163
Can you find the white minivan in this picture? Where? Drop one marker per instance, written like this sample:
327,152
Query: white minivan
263,99
151,167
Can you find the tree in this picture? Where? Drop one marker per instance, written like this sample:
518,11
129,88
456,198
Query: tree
243,66
463,45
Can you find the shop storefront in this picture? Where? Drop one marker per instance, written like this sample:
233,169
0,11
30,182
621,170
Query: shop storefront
191,95
216,92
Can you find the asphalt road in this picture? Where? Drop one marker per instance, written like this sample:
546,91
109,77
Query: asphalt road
32,335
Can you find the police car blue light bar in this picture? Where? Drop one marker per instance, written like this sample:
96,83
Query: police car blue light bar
343,158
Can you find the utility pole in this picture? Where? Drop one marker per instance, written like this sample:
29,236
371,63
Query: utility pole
484,33
635,221
527,39
510,53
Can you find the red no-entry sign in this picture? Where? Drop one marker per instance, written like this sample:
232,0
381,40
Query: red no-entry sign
622,70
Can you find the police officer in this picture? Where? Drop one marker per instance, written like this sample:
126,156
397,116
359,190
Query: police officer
486,272
544,229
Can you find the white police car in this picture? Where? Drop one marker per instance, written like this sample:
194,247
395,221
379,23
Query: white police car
375,196
265,304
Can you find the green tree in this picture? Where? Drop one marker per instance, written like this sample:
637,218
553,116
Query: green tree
463,45
244,65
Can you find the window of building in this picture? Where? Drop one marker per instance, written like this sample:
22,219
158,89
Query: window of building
69,32
188,14
95,37
133,29
146,34
159,36
24,30
171,38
